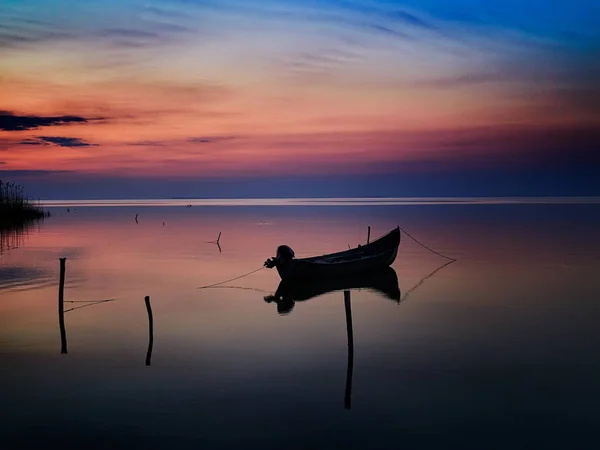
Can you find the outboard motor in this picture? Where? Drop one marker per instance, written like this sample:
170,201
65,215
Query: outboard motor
284,253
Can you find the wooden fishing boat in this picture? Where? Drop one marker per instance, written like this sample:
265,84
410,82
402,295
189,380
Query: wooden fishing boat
364,259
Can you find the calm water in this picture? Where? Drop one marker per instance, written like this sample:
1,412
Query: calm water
496,350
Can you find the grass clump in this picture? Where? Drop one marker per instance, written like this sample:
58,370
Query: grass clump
17,209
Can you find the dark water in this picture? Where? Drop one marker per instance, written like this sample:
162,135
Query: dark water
496,350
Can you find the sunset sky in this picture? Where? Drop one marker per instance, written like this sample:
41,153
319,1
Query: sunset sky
122,98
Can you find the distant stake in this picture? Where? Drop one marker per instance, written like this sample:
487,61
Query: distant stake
217,241
150,330
348,395
369,234
136,216
61,307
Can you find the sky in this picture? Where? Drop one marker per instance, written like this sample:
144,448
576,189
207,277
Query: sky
234,98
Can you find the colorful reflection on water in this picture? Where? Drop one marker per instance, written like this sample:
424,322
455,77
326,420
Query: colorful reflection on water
502,341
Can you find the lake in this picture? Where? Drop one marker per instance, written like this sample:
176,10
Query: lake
496,350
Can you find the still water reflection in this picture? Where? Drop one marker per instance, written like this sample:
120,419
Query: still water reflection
495,349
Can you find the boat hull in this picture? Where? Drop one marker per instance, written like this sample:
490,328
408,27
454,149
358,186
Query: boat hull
362,260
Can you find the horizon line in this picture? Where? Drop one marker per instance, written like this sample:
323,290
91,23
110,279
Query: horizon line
321,201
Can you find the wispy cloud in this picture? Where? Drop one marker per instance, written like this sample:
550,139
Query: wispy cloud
320,63
33,142
13,122
29,172
59,141
145,35
148,143
24,28
180,142
20,32
209,139
66,141
386,17
467,79
165,10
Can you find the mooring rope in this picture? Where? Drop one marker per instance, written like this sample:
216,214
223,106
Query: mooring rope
231,279
90,303
242,288
424,246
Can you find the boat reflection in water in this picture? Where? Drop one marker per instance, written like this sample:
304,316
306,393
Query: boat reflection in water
384,283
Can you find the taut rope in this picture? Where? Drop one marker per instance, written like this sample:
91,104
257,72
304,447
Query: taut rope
231,279
424,246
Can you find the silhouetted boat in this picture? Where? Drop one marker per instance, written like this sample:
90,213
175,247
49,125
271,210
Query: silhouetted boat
289,291
364,259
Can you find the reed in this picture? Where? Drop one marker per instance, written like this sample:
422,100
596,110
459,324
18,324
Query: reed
16,208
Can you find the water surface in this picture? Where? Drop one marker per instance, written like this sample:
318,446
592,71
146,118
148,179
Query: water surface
496,350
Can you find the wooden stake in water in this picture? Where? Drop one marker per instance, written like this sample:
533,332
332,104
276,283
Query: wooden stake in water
348,396
61,307
369,234
150,331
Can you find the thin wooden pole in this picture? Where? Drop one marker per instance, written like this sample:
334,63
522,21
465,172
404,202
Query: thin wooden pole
350,366
369,234
61,307
150,330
